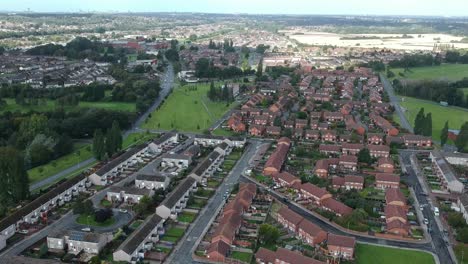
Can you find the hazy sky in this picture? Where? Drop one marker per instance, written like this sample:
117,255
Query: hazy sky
364,7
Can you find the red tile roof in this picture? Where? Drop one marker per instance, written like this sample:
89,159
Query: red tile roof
310,228
388,177
394,211
393,194
354,179
337,207
290,216
341,241
314,190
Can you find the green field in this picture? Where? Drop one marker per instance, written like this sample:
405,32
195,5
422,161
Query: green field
440,114
369,254
50,106
452,72
461,251
78,155
187,110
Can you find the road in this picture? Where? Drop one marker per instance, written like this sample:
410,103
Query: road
183,252
395,102
438,237
167,82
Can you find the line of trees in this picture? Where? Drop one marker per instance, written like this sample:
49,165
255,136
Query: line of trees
205,68
434,90
423,123
223,93
462,138
106,146
416,60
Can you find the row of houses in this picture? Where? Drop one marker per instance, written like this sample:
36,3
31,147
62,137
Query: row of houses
38,209
340,247
141,241
231,220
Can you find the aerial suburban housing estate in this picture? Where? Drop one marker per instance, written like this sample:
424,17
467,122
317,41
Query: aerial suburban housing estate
222,133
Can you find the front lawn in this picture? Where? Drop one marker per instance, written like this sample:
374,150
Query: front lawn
370,254
461,250
175,232
242,256
186,217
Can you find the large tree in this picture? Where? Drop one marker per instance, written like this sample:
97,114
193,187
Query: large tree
462,139
259,72
113,139
14,182
419,122
444,134
427,127
268,234
364,156
99,147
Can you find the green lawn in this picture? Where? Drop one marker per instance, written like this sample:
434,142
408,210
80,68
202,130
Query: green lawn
186,217
175,232
452,72
137,138
84,219
465,91
440,114
78,155
223,132
461,250
50,106
369,254
185,110
242,256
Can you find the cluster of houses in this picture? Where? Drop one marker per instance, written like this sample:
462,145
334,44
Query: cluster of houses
219,59
141,241
52,72
307,192
230,222
338,247
443,170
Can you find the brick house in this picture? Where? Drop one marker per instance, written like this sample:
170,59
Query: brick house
411,140
385,165
330,149
329,135
278,157
336,207
378,151
387,180
313,192
273,131
351,149
312,134
256,130
341,246
289,219
310,233
348,163
375,139
286,179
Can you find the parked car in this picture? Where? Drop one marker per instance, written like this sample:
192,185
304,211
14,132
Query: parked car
426,221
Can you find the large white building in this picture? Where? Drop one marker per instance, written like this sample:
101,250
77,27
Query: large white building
445,173
176,201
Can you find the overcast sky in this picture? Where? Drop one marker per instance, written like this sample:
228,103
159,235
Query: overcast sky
361,7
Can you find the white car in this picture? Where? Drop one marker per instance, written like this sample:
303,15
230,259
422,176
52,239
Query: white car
123,210
426,222
86,229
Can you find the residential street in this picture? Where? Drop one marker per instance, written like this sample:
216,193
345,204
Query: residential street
423,195
395,102
183,252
